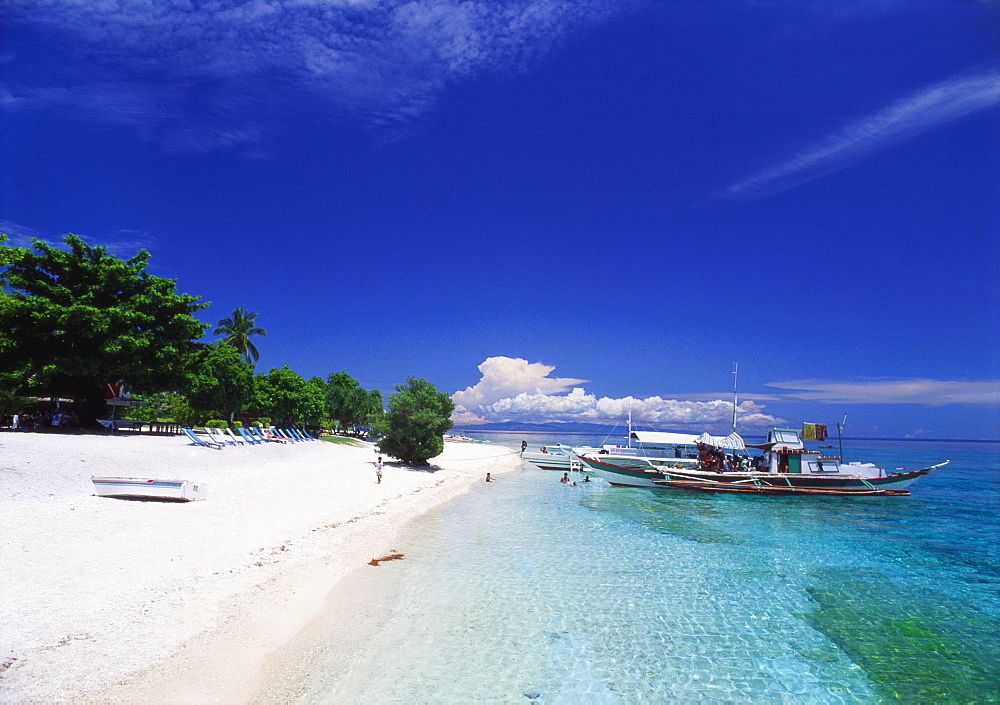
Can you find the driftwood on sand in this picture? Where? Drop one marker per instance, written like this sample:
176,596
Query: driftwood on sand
390,557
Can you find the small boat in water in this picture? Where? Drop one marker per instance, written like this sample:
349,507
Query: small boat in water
146,488
561,458
786,467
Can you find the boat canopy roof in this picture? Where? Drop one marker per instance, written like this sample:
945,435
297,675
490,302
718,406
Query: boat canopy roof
665,438
731,442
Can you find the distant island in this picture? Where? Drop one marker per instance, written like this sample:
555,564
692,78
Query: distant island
571,427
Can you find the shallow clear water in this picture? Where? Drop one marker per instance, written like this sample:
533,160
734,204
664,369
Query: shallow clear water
528,589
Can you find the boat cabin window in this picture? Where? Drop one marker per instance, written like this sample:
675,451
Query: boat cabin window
779,436
822,466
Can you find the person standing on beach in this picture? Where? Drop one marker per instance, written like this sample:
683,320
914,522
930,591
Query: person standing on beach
378,469
524,447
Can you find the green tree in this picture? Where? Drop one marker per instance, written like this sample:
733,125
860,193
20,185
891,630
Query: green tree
223,383
288,399
413,429
236,330
73,319
348,403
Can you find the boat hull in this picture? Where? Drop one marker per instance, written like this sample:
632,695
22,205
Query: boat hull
151,489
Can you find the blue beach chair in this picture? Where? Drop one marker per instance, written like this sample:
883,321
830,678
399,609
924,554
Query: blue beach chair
248,437
199,442
272,438
258,433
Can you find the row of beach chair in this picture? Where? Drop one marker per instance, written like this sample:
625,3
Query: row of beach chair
219,438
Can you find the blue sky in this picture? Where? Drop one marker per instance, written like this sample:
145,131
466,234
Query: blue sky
548,207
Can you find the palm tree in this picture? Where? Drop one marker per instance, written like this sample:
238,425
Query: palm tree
237,330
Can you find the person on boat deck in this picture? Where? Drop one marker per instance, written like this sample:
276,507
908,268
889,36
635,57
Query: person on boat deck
543,450
565,477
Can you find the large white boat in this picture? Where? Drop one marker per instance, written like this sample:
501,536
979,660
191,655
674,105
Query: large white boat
641,448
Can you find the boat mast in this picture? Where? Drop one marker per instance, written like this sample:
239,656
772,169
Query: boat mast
736,369
840,437
629,441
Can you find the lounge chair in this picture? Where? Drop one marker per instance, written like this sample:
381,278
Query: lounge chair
236,439
258,433
248,437
200,442
288,434
216,435
298,434
270,436
306,433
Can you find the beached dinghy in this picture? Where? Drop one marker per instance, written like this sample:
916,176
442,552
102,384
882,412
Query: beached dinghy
144,488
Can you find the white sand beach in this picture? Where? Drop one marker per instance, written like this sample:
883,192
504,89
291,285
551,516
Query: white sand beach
118,600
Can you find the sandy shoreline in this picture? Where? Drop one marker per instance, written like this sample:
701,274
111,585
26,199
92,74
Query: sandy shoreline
118,600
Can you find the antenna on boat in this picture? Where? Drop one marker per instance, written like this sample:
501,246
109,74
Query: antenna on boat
736,370
840,438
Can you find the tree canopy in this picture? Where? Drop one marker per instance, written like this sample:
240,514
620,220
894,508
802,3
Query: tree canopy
73,319
413,429
283,395
349,404
222,381
236,330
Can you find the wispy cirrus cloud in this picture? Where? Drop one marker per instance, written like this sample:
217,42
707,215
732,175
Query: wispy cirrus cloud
929,392
512,389
935,105
121,243
226,65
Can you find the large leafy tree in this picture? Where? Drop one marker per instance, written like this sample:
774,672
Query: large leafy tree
348,403
413,429
288,399
222,383
72,319
237,329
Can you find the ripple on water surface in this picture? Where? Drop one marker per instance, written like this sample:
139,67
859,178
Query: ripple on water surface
528,589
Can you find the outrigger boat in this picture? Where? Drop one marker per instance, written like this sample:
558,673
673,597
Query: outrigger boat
786,467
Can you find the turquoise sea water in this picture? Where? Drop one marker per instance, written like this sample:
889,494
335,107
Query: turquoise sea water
530,590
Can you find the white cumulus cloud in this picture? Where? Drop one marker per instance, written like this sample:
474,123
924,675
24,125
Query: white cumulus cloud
512,389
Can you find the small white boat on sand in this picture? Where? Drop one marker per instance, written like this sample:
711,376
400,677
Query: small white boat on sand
147,488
